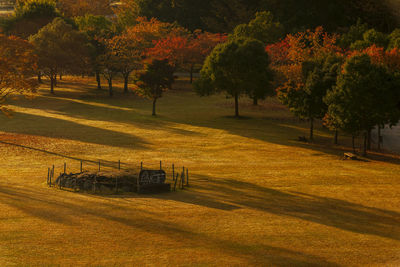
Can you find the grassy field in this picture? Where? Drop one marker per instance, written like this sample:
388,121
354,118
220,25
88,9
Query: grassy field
258,197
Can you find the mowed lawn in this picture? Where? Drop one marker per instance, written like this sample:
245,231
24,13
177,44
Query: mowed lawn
258,197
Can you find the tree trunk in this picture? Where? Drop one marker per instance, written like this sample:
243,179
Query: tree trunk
379,137
126,80
191,73
311,129
255,101
83,75
39,77
60,76
52,83
236,105
154,106
369,139
365,147
98,79
110,87
55,79
336,136
353,143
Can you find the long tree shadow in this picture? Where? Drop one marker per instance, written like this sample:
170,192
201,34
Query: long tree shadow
58,210
267,128
229,194
29,124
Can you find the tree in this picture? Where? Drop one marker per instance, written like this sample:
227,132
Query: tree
371,37
307,63
17,65
59,47
157,77
366,95
97,29
262,27
307,101
30,16
237,67
128,54
185,51
73,8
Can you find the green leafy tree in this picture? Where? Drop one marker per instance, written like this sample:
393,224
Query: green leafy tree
307,101
371,37
30,16
157,77
262,28
366,95
97,29
60,47
237,67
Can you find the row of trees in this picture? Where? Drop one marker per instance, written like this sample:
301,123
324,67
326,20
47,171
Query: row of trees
350,82
352,88
95,44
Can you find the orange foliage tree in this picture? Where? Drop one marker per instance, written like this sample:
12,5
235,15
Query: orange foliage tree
303,61
17,65
389,59
185,51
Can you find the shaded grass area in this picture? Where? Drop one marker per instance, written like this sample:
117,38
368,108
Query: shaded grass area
257,197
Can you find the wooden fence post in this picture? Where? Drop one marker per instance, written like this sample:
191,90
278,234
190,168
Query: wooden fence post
182,180
99,165
65,167
176,180
52,176
48,176
119,165
81,166
173,172
141,165
187,177
160,165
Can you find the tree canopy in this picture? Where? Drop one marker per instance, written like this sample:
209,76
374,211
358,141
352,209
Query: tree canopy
60,47
237,67
17,64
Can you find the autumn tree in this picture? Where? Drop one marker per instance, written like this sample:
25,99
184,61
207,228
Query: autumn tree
60,47
17,65
157,77
366,95
237,67
128,55
186,50
306,61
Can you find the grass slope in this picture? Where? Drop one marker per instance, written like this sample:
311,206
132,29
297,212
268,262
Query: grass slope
258,197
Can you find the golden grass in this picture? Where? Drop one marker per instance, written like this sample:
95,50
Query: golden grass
258,197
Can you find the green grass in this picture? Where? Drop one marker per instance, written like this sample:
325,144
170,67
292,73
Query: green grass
258,197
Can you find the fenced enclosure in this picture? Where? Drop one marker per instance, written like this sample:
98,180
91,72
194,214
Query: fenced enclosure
108,177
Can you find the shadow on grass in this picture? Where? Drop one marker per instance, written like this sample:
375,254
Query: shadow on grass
29,124
95,105
332,212
55,209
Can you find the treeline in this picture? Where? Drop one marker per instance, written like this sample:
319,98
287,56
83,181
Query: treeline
351,82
